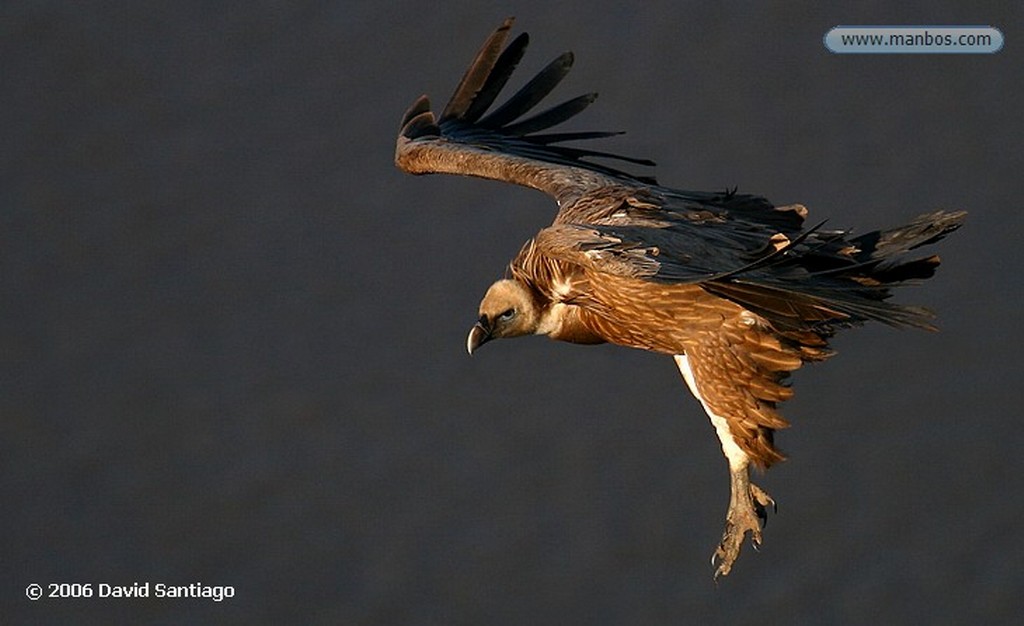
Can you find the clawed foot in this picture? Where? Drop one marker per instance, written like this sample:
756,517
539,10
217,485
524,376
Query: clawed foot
747,512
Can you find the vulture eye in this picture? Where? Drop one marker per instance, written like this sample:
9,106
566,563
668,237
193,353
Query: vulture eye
507,315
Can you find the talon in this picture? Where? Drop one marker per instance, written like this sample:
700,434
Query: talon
747,513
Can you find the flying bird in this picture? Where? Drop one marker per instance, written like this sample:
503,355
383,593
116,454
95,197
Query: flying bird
738,291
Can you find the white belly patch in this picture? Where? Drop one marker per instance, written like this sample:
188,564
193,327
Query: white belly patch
738,459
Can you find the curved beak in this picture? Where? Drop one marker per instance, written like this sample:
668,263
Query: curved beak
478,335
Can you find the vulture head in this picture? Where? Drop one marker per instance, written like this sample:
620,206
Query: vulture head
507,310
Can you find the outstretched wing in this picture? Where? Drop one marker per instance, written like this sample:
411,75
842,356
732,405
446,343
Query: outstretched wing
739,247
503,144
808,280
472,137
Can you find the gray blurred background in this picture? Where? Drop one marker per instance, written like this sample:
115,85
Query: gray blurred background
232,334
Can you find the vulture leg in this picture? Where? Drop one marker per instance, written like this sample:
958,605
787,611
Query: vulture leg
747,512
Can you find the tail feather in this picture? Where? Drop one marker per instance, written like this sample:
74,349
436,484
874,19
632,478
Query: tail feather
828,281
925,229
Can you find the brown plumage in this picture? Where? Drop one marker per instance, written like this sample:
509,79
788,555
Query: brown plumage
738,291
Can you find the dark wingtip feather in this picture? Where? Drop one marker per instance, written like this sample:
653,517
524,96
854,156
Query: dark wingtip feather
552,117
476,76
423,125
500,73
549,138
417,108
576,153
465,118
532,93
